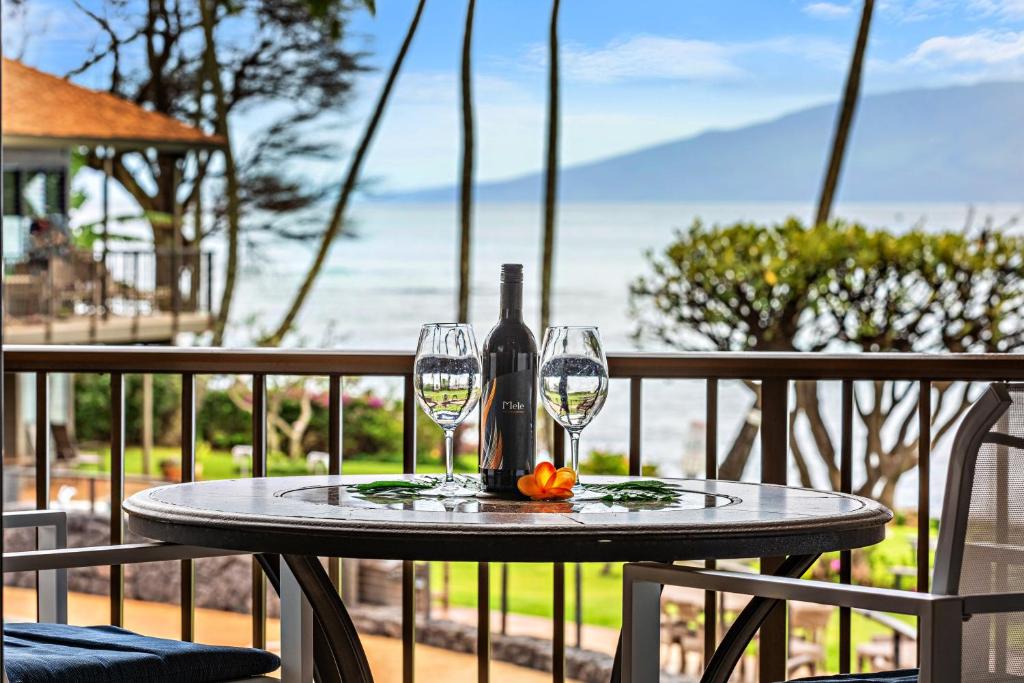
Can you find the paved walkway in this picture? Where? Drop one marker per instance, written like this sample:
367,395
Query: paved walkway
228,628
596,638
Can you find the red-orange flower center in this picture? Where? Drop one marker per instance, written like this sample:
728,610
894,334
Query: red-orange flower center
547,483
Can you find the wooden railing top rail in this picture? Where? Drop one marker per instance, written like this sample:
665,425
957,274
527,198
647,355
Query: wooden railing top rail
720,365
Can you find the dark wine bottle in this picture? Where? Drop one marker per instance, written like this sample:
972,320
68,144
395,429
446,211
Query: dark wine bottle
508,409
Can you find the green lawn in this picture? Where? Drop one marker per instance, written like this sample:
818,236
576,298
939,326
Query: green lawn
215,464
531,587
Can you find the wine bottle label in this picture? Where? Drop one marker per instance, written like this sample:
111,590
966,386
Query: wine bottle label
508,414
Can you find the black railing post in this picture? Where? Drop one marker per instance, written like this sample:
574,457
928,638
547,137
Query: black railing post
259,469
774,449
846,486
408,568
117,434
209,282
710,472
188,470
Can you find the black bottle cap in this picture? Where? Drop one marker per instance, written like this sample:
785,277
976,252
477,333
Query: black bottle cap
512,272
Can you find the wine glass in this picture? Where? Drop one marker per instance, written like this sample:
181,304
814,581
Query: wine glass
573,381
447,380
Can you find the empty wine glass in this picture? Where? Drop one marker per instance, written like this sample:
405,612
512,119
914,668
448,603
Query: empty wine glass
447,380
573,381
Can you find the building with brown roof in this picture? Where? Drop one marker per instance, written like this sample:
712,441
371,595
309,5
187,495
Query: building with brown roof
41,110
62,293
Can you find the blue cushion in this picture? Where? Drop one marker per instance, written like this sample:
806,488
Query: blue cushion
900,676
57,653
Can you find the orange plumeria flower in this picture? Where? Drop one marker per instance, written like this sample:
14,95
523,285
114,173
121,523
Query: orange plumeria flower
547,483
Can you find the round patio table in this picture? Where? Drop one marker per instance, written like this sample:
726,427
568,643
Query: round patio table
303,518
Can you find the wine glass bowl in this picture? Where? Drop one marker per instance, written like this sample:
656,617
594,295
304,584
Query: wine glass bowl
447,380
573,380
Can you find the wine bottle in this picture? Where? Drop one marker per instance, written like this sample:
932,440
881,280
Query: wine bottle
508,409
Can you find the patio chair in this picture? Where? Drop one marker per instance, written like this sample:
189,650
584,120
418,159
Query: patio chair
971,627
51,650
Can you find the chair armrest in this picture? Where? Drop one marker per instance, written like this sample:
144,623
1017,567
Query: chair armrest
992,603
35,518
94,556
784,588
939,616
51,536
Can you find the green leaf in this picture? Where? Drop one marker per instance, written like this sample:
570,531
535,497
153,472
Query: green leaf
393,485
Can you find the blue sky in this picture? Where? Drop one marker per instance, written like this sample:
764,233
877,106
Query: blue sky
634,73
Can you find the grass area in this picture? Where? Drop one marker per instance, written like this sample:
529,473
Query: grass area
216,464
531,588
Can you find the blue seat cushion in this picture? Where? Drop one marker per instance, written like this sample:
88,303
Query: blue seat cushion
58,653
900,676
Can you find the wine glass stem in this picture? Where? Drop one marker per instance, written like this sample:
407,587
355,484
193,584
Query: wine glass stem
574,443
449,455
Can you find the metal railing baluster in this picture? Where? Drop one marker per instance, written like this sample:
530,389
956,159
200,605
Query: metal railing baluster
42,469
42,441
483,622
774,451
558,572
710,472
188,471
635,425
259,469
924,450
408,568
558,623
117,429
924,484
846,486
334,443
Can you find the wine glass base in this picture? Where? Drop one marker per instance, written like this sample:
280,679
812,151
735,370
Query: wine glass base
452,489
579,492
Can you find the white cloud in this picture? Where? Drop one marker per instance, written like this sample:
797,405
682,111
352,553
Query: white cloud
1003,9
982,48
644,57
827,10
656,58
910,11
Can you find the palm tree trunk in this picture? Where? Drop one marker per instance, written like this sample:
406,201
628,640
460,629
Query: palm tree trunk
335,224
466,185
212,69
551,173
845,120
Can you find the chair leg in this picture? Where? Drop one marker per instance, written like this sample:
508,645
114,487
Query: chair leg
641,625
296,631
941,643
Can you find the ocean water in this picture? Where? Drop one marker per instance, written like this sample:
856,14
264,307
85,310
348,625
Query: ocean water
399,269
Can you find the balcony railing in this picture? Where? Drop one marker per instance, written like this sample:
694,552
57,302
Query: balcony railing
774,374
61,284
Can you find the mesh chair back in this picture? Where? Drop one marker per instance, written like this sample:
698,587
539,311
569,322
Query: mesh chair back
981,545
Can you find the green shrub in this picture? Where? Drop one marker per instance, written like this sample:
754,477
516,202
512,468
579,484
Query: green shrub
222,423
92,408
612,463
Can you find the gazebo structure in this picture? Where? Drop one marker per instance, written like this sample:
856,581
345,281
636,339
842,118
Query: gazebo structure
57,292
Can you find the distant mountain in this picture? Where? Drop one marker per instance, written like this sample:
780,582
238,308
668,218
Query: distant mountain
962,143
